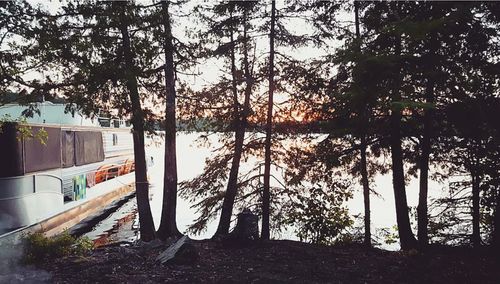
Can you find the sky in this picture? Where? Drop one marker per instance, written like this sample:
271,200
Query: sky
209,71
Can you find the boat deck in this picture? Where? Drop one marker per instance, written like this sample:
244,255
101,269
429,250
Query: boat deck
73,212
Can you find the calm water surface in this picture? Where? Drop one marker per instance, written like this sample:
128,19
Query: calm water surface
122,225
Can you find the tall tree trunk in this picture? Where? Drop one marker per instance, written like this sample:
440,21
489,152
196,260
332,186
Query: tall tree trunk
422,213
476,233
406,237
146,223
363,146
168,224
239,122
266,195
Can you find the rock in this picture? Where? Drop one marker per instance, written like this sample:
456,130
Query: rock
154,244
180,252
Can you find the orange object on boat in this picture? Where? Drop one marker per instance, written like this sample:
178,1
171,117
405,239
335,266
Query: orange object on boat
106,172
126,167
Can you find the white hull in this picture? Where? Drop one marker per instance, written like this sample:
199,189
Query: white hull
52,221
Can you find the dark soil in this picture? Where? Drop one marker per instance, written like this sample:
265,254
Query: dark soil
278,262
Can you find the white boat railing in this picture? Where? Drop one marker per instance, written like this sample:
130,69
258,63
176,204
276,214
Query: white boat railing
18,186
113,122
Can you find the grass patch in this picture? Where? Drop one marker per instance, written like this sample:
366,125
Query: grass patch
39,248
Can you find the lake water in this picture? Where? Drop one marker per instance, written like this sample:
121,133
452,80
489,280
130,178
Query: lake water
190,163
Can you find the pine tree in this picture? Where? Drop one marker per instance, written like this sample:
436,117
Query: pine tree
363,144
16,30
448,57
240,114
226,106
282,38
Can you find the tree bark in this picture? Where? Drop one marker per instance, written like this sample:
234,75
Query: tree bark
476,233
240,123
366,193
363,146
496,224
168,224
422,211
406,237
141,180
266,195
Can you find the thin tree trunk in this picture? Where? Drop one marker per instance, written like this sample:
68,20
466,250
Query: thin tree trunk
266,195
406,237
496,224
168,224
366,192
239,122
141,179
363,146
476,233
422,213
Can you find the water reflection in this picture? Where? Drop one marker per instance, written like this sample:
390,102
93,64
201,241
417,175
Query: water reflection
191,161
120,226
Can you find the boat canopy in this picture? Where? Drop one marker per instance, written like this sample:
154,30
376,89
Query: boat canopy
50,113
62,148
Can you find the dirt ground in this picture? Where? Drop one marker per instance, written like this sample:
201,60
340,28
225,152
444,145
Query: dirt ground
277,262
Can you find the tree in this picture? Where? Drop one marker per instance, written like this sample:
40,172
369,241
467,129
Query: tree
16,36
168,225
406,236
452,69
342,102
433,39
226,106
266,197
240,115
207,189
315,196
141,179
101,65
363,144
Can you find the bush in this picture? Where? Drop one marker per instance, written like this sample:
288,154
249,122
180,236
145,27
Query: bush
320,217
38,248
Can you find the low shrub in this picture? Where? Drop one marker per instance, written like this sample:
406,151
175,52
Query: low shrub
39,248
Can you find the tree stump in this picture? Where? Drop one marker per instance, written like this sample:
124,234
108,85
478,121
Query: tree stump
247,226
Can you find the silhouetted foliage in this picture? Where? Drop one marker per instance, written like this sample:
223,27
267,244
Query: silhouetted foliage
309,101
